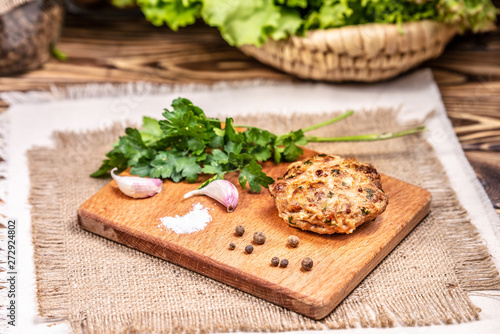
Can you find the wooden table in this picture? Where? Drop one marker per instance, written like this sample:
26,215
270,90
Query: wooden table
468,74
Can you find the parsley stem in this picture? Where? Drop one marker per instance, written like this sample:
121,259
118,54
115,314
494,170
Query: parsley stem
330,121
368,137
312,127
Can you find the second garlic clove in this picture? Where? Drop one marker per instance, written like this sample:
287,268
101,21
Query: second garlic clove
222,191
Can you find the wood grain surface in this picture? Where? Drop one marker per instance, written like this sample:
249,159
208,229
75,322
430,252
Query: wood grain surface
340,261
130,49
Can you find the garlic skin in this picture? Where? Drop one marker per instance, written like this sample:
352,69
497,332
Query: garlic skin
222,191
137,187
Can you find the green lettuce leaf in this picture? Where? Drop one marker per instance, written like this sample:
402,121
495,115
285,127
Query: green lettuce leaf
174,13
288,24
243,22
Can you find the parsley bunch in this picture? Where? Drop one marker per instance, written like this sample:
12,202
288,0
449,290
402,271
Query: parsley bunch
187,143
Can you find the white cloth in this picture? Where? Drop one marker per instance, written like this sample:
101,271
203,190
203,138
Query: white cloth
34,116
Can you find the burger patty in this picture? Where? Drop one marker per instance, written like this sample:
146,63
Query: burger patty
327,194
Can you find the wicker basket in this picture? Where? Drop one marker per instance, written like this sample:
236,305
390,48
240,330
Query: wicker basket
367,53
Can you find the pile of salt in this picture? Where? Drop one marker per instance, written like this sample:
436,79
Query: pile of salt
194,220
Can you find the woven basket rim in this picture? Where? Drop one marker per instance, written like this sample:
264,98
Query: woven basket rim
365,52
419,22
452,28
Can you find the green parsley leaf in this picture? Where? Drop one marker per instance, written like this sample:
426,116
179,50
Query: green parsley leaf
277,153
163,166
290,140
115,160
253,174
261,153
220,156
232,147
214,169
196,146
188,167
150,130
141,169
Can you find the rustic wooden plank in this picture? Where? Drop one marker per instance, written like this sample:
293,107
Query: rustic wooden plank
445,77
482,123
340,261
487,165
466,62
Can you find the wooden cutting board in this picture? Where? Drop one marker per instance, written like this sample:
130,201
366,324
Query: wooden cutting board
340,261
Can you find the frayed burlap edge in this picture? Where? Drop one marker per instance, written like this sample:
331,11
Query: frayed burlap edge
474,265
47,224
474,268
47,239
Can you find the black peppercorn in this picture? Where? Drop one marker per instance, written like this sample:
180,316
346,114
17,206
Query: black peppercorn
259,238
249,249
284,263
275,261
232,246
240,230
307,264
293,241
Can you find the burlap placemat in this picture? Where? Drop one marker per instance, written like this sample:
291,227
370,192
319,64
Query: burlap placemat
100,286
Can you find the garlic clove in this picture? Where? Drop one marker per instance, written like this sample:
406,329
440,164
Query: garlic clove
137,187
222,191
